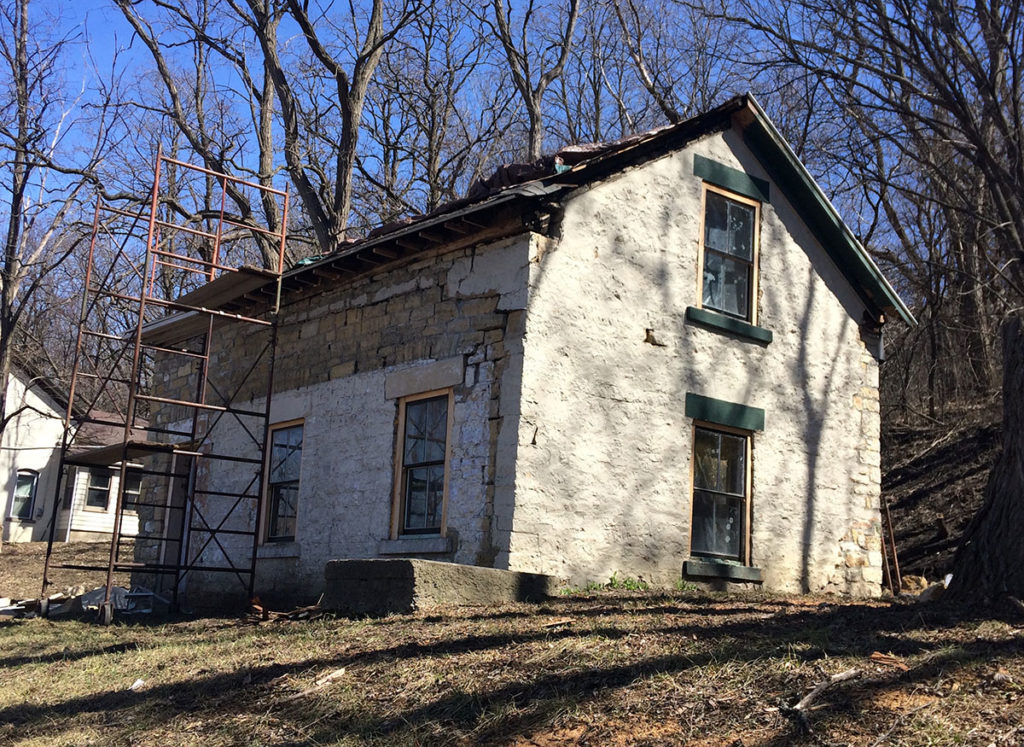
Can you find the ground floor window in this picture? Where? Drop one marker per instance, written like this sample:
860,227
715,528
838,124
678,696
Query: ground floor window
25,495
97,494
132,489
424,423
721,494
283,482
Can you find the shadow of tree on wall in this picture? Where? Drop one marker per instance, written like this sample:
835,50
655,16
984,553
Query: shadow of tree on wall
630,474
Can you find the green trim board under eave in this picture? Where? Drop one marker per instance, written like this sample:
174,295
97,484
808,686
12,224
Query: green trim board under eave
729,178
729,324
721,412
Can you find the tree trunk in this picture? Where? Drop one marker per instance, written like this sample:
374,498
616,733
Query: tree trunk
990,563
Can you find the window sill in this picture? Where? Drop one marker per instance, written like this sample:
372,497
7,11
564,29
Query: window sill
278,550
731,571
415,545
722,323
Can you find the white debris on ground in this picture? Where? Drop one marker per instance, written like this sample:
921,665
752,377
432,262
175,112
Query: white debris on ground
76,600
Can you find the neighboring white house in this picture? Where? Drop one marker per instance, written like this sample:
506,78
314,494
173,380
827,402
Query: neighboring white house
30,457
30,463
657,358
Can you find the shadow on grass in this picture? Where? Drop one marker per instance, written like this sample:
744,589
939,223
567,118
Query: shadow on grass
517,708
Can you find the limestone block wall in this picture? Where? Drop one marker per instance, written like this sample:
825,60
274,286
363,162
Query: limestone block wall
603,472
345,353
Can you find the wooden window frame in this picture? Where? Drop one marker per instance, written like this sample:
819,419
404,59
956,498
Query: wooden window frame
268,502
398,488
752,291
32,497
748,485
88,486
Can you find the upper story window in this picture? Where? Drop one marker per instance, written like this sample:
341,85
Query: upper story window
283,482
422,462
729,249
24,495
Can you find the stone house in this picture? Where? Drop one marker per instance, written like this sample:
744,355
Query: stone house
657,358
30,462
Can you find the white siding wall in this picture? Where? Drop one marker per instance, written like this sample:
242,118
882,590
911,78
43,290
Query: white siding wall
31,441
95,521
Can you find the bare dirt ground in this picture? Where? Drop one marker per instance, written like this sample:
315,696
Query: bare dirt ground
600,668
21,567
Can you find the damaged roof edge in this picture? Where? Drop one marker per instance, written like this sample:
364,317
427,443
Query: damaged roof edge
788,171
783,165
526,190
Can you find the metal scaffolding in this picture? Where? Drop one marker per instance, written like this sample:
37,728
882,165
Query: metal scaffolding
159,284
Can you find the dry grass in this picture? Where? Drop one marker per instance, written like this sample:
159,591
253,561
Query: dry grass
630,668
21,567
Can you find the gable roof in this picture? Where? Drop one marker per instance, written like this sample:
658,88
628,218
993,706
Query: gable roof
526,190
32,378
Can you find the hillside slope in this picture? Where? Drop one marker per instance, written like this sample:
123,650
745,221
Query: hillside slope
933,479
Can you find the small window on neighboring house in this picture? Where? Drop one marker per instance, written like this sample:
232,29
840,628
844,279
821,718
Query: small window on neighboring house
283,482
25,495
132,489
721,494
729,271
97,494
421,485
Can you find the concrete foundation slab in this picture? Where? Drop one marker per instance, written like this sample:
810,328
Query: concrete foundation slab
403,585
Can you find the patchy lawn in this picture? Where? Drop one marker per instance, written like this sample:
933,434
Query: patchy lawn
21,567
612,667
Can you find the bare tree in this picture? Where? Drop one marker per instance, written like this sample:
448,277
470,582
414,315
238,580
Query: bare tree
50,148
937,86
203,111
682,57
326,192
433,118
533,67
597,95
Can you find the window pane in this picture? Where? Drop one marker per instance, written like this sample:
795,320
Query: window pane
725,284
24,492
426,426
705,460
286,454
132,488
424,497
284,498
285,466
132,482
732,473
98,494
717,525
729,226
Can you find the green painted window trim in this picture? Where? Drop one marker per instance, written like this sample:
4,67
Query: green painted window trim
710,568
729,178
719,411
728,324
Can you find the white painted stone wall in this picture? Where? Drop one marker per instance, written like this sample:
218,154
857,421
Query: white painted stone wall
603,472
350,423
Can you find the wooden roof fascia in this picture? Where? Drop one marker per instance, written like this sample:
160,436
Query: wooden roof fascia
807,197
